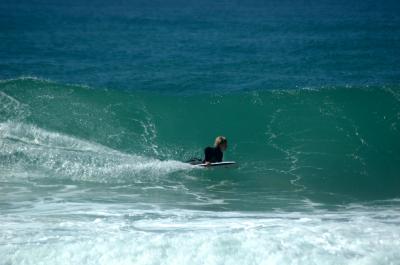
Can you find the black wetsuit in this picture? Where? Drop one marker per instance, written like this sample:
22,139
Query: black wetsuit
213,154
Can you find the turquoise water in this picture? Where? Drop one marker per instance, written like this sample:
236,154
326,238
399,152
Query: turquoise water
100,104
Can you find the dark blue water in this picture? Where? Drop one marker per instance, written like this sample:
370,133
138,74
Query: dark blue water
189,46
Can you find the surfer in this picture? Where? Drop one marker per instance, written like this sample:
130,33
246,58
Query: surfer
212,154
215,154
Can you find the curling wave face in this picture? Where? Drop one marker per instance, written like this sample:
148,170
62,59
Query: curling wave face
95,176
340,140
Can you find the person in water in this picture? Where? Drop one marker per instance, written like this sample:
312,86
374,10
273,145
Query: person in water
216,153
212,154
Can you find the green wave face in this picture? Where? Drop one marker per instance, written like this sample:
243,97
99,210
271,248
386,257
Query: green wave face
328,144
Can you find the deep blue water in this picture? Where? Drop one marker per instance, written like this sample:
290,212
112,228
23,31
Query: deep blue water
202,45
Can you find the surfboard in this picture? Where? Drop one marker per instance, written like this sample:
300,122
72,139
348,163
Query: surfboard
218,164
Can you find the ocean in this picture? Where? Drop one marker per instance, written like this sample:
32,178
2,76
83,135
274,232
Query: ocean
101,102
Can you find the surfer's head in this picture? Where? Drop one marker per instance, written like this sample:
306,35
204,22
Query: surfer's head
221,143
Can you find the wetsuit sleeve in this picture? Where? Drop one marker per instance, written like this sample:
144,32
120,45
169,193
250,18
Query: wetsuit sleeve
207,154
220,155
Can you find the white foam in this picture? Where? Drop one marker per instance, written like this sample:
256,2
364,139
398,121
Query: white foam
102,235
29,146
11,108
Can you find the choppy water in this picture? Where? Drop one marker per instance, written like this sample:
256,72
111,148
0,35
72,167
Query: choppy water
119,94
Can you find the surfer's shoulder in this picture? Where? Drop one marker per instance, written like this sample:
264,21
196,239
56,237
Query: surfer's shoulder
208,148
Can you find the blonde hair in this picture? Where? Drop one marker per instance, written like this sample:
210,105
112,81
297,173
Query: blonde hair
220,140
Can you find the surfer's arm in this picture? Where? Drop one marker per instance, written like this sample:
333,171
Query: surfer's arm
207,155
